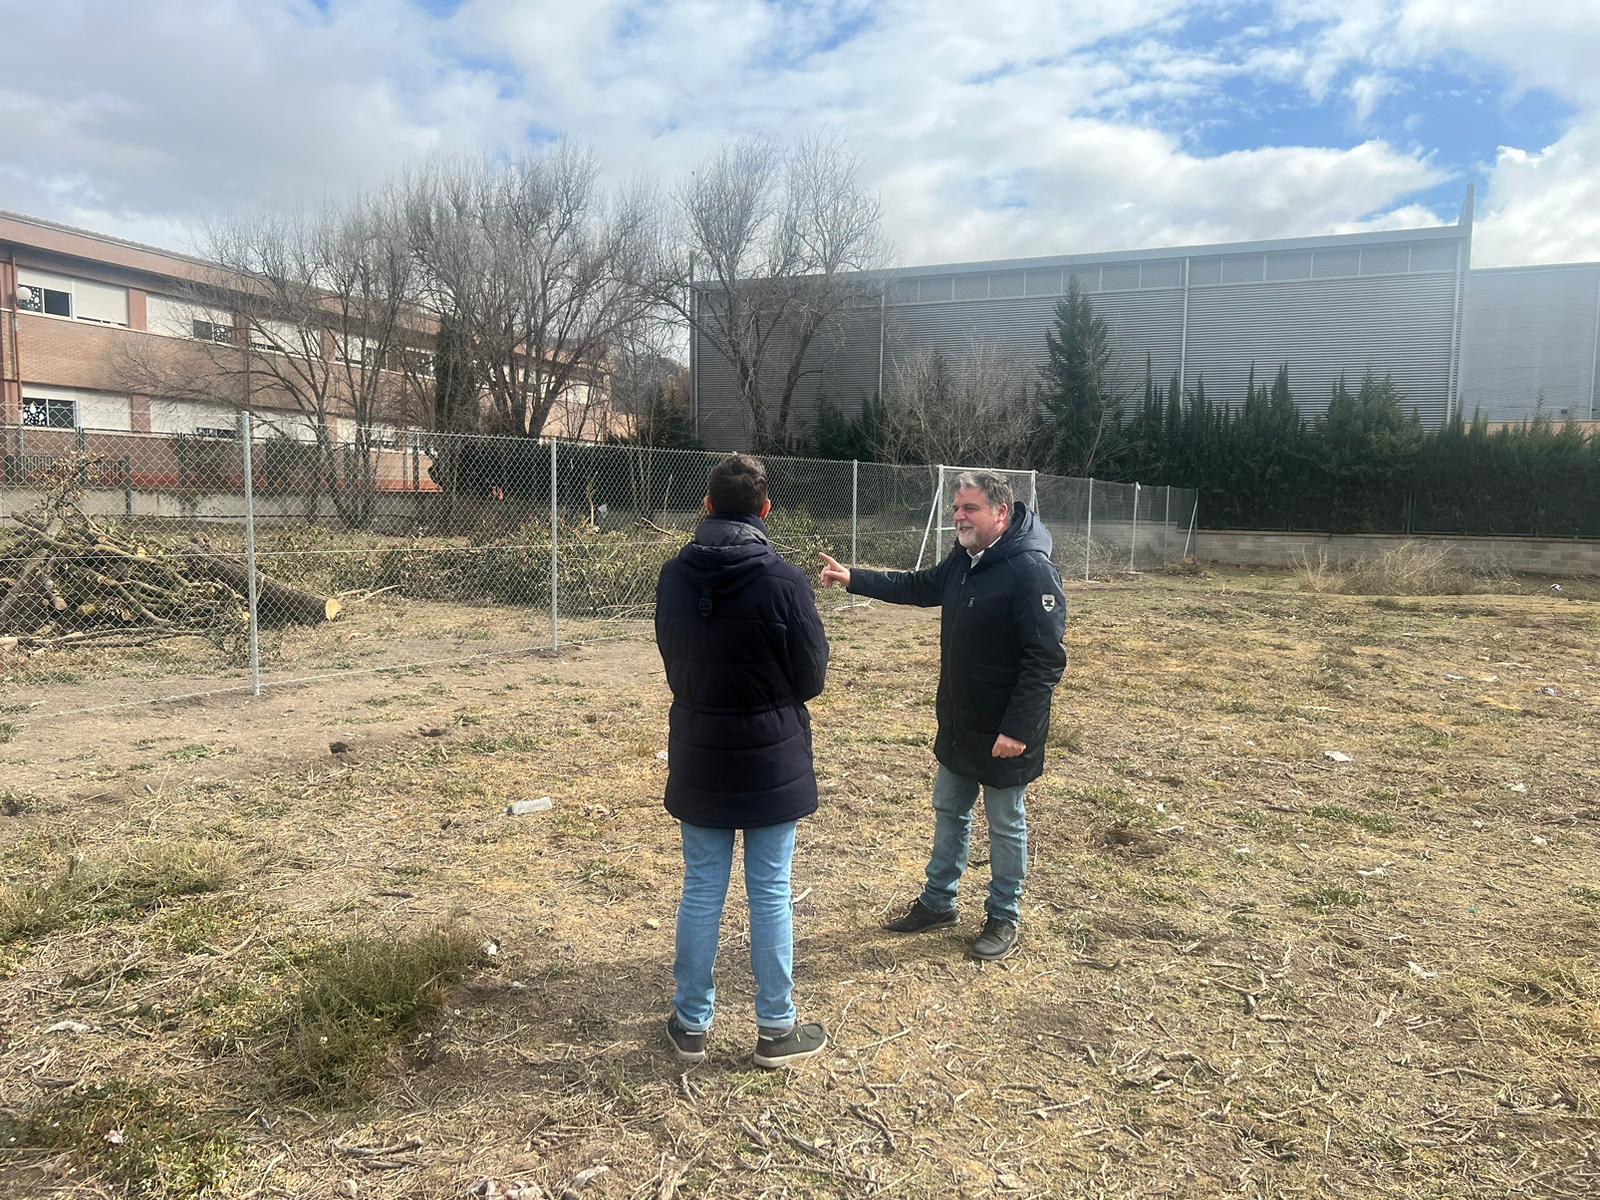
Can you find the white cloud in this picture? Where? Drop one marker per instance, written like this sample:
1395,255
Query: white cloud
1544,206
1029,127
1541,202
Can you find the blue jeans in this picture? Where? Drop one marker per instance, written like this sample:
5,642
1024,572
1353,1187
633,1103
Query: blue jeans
707,864
953,798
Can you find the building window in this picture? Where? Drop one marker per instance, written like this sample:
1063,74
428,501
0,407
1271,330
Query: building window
421,362
1163,274
79,299
49,301
1434,256
1243,268
1119,277
1330,264
1385,260
211,331
280,337
1289,264
1044,283
41,412
219,433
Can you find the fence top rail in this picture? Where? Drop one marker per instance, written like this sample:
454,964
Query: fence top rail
384,442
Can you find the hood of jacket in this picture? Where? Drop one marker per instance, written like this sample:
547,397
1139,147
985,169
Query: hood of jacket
727,553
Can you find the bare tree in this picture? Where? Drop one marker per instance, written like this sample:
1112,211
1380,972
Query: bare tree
541,269
775,245
309,322
969,409
650,387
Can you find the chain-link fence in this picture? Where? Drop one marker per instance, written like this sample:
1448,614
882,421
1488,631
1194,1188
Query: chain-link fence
171,565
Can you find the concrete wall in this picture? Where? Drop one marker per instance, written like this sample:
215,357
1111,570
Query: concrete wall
1537,556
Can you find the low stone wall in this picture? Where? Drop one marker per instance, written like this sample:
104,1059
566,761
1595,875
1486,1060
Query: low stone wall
1535,556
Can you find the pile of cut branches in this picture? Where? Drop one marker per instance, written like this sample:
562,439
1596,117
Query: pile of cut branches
67,580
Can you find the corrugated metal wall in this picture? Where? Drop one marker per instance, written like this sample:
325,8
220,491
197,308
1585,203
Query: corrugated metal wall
1396,324
1150,321
842,365
1531,341
1324,310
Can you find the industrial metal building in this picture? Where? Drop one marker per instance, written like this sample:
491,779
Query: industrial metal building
1400,302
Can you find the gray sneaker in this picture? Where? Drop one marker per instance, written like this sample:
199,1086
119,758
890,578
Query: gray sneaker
998,939
782,1049
689,1047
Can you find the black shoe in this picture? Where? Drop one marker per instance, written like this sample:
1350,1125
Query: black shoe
779,1050
689,1047
998,939
920,917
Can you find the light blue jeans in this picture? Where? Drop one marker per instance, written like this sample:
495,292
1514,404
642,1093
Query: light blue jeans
953,798
707,864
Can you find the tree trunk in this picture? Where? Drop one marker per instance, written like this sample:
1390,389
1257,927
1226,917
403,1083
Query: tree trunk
277,603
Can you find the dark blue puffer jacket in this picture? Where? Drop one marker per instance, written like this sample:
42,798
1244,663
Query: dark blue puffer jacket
744,649
1000,653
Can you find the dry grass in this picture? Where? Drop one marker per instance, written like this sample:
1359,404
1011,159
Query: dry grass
1247,969
1407,569
113,885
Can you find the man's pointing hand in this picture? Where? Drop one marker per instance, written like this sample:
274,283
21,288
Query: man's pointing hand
833,575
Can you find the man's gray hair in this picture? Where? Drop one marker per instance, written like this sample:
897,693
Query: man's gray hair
996,489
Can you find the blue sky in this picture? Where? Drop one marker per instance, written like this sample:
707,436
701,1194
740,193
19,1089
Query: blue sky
1016,127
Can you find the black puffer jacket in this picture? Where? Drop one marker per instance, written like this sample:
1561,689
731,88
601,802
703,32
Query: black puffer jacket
1000,647
738,630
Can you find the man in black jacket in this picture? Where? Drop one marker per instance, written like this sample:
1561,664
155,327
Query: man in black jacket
1000,659
744,649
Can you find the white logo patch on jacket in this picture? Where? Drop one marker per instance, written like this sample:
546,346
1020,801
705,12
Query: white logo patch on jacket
1049,602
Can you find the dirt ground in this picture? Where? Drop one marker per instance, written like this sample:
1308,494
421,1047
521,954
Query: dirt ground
1249,967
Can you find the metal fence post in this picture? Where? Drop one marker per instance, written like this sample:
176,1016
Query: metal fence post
555,508
1166,530
1133,542
855,479
1193,513
1088,531
246,434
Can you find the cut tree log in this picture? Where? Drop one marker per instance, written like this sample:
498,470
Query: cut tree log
276,603
22,595
67,580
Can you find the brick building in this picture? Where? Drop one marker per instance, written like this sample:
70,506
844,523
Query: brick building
89,321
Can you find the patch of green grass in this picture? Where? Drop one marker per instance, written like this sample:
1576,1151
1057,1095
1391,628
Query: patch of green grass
137,879
1065,735
1588,895
610,878
359,1000
1155,893
204,925
8,731
139,1139
898,739
193,752
1112,801
513,743
1371,822
1326,899
38,675
1391,604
